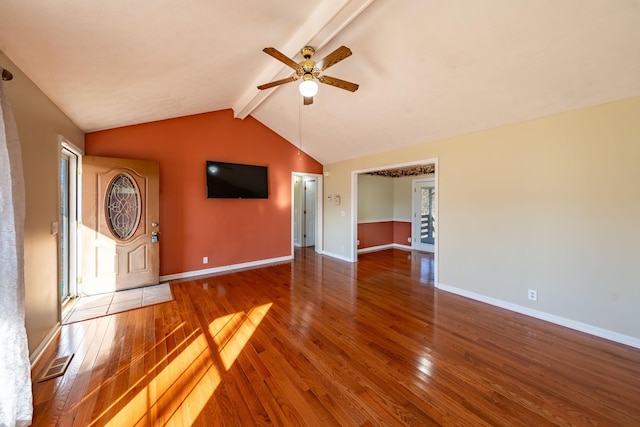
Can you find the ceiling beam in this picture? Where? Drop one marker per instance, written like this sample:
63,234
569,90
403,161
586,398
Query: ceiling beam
326,21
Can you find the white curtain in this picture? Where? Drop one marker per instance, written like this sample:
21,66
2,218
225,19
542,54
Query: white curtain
16,401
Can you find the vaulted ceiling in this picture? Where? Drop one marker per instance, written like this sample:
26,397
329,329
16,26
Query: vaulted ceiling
427,69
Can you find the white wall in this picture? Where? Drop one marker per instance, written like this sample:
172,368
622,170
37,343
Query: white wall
551,204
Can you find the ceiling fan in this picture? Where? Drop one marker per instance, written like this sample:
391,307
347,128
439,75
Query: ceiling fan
310,71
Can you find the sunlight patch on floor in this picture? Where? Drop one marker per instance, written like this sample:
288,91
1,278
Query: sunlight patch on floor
180,390
232,334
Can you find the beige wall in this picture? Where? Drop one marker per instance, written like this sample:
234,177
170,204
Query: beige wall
375,198
40,122
384,198
551,204
402,198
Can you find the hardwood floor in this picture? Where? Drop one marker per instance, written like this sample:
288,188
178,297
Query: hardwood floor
322,342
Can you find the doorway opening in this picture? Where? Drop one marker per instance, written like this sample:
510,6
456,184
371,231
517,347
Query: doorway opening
70,163
306,224
400,220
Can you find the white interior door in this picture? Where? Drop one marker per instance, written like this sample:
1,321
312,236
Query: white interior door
297,211
424,215
309,213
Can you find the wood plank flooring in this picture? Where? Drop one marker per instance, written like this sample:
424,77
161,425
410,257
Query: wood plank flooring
322,342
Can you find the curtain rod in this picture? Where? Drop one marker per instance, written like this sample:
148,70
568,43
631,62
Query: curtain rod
6,74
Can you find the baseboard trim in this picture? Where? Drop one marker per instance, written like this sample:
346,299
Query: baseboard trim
39,350
340,257
552,318
375,248
374,221
402,247
383,247
226,268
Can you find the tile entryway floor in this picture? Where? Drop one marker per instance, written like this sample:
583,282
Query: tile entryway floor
93,306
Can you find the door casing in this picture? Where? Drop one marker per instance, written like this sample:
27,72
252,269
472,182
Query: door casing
300,176
71,239
416,220
309,212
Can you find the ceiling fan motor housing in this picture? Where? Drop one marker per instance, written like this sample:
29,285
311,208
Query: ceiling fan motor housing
307,69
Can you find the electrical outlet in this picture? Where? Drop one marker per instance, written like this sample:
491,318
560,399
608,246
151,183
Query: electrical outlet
205,260
532,294
409,239
358,242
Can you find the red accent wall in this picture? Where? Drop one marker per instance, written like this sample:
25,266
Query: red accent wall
375,234
401,232
372,234
192,226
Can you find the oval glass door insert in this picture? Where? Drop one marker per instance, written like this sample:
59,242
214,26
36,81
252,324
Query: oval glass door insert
123,206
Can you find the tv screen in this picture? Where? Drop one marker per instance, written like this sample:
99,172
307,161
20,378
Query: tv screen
236,181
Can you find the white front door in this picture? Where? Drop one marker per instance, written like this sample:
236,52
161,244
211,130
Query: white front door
309,213
423,234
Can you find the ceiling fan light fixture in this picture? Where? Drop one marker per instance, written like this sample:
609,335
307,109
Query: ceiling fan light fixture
310,71
308,88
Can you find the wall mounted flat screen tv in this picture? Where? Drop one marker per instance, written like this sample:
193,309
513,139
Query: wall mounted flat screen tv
236,181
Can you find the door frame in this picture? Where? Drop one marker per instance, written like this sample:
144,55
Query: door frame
75,217
354,208
416,223
303,189
319,248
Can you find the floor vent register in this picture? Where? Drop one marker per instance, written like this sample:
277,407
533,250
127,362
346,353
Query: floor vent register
57,367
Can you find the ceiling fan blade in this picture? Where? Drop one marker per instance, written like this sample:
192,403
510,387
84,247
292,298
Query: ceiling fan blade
342,84
277,83
281,57
333,58
308,100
